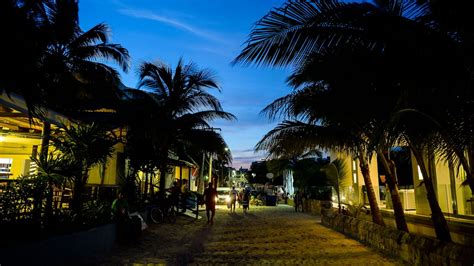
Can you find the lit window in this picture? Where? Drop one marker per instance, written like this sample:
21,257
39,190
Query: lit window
354,166
355,177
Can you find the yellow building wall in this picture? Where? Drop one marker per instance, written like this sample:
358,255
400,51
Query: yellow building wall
443,187
185,172
463,193
19,150
353,190
111,177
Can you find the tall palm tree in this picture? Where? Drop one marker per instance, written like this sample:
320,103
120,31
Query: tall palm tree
364,68
290,34
181,105
64,64
72,63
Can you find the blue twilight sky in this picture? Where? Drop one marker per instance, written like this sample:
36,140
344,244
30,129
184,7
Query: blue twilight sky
210,33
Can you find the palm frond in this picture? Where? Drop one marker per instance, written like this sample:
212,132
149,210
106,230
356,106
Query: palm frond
290,138
288,34
111,52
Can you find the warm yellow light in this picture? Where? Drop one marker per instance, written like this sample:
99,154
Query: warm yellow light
2,138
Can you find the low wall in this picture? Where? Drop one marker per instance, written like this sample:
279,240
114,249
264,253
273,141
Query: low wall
417,250
313,206
62,249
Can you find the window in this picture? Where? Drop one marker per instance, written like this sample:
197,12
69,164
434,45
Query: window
5,167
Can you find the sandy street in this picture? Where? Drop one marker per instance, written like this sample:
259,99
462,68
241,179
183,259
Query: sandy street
266,235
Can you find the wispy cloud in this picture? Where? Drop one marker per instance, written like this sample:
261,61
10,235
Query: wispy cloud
145,14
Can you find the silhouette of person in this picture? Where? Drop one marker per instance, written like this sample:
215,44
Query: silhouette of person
210,195
245,200
233,197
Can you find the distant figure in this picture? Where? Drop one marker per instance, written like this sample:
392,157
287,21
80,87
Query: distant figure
175,192
120,208
246,200
210,195
298,198
121,216
240,197
184,191
233,198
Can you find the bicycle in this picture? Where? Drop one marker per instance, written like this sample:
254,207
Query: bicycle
161,211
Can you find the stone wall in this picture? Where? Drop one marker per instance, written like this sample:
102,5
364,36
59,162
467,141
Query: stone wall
313,206
413,249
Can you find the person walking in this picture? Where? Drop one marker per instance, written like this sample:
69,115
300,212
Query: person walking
233,198
210,195
246,200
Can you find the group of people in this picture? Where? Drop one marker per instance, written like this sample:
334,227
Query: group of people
178,194
210,195
242,197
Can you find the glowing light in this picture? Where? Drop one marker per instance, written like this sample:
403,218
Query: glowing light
420,174
2,138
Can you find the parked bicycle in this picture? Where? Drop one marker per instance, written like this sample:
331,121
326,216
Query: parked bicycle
163,210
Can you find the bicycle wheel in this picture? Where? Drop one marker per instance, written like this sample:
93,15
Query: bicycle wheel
156,215
171,215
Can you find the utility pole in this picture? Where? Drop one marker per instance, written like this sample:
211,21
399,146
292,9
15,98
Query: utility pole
200,184
210,172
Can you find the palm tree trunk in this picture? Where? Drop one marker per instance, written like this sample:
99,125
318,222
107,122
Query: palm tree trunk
145,192
437,216
338,197
163,170
201,175
152,192
374,207
45,138
469,169
393,187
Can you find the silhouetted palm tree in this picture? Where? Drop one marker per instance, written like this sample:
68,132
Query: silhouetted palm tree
181,105
389,28
336,171
84,145
63,63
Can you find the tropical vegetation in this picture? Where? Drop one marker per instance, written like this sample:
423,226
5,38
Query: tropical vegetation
167,118
367,76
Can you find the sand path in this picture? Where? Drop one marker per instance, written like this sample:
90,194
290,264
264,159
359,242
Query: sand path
266,235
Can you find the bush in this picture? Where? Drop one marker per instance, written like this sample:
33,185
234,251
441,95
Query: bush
320,193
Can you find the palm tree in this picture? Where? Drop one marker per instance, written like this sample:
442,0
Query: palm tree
196,143
23,50
323,88
84,145
181,105
300,136
336,171
300,29
63,63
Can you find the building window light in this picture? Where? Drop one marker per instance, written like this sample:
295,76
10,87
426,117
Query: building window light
355,178
354,165
420,174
